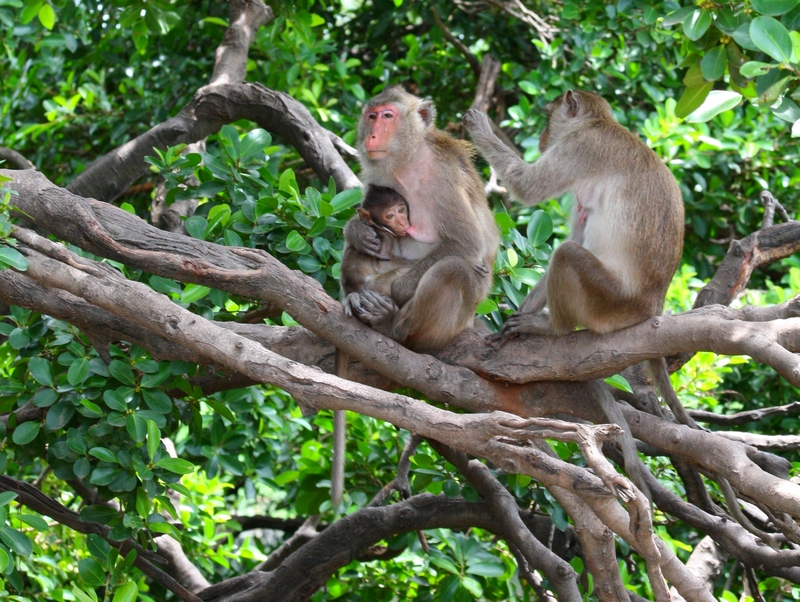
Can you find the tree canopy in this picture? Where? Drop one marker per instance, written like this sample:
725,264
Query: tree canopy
174,182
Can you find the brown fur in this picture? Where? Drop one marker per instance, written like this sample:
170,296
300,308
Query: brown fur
456,238
627,231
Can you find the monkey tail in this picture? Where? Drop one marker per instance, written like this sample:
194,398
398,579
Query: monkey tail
339,428
660,374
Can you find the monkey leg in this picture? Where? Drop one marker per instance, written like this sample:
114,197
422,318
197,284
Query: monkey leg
442,306
583,291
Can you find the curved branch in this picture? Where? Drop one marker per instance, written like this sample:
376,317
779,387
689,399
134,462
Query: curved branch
15,159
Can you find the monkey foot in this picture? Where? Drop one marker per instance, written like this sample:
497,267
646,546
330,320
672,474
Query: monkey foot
518,326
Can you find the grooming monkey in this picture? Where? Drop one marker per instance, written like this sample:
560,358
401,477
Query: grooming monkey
386,211
451,242
626,227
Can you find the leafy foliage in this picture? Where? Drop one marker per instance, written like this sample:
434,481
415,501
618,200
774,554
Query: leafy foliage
711,88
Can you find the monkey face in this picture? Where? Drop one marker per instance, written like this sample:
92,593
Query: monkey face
395,218
380,123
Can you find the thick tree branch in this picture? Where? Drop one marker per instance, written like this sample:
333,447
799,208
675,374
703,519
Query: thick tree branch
15,160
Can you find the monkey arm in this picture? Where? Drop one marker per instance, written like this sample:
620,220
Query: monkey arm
403,288
531,183
364,238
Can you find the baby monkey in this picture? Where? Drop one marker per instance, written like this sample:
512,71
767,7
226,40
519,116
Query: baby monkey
366,283
366,280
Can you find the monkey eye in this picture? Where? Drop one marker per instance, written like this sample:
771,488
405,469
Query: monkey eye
388,114
372,115
389,215
401,210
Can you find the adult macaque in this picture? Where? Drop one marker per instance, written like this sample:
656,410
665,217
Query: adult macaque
627,224
442,268
453,238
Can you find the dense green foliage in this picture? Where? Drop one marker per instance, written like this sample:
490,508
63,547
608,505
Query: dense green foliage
81,78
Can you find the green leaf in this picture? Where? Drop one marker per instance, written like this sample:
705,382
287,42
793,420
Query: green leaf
126,593
196,226
486,306
59,415
346,199
34,520
753,69
4,560
176,465
295,242
694,77
158,401
92,572
152,380
104,454
114,401
771,37
773,7
47,16
153,439
486,569
787,110
78,371
714,63
18,542
679,16
691,99
41,371
796,129
445,563
7,497
727,21
619,382
122,372
12,257
254,142
98,513
194,292
97,546
288,183
795,35
715,103
451,488
25,433
540,228
472,586
221,408
136,427
697,23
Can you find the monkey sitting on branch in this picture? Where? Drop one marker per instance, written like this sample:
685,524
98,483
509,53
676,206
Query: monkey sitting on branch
433,277
626,226
453,238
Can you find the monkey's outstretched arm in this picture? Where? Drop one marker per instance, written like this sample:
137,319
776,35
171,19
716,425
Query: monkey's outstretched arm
531,183
364,238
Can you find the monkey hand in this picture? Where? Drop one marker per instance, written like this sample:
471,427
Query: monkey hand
477,123
364,239
370,307
480,269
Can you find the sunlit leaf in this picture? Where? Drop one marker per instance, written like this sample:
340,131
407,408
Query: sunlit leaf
771,37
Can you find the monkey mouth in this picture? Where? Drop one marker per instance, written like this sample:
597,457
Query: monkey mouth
376,154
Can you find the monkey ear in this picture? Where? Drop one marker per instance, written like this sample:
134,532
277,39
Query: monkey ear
573,104
427,111
363,213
